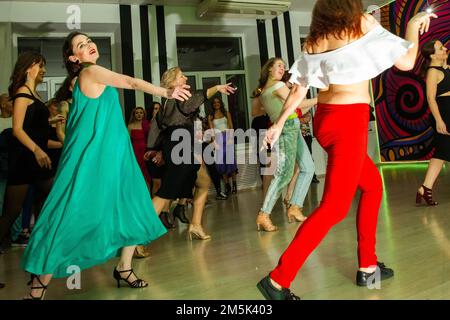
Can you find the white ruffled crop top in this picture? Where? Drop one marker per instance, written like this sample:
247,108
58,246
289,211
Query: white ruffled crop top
360,60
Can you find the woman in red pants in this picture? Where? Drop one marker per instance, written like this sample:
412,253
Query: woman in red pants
340,58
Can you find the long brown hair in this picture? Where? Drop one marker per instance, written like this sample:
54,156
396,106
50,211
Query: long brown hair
132,117
427,51
24,62
73,68
337,18
64,93
264,76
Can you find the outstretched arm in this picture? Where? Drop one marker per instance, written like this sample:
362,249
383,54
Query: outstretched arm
223,88
100,75
419,24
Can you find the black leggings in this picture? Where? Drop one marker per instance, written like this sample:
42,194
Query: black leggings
14,198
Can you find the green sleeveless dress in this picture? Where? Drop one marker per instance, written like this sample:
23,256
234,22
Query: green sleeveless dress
99,201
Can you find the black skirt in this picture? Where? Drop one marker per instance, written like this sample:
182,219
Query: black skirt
178,179
23,167
442,141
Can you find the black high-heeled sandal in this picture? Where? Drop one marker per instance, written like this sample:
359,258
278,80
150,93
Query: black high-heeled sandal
164,217
136,284
180,213
427,196
41,286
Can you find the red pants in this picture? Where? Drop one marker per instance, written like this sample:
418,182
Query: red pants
342,131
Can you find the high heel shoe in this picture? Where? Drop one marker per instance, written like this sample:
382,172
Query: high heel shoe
164,217
263,223
180,213
41,287
196,232
136,284
427,196
296,216
140,252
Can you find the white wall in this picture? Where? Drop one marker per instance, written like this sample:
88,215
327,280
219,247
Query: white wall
99,18
35,19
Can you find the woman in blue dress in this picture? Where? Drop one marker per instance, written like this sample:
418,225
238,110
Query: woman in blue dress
89,216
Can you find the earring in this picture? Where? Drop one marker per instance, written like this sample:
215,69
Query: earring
28,78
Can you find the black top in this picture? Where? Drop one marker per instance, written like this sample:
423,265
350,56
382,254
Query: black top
35,123
175,114
444,85
54,154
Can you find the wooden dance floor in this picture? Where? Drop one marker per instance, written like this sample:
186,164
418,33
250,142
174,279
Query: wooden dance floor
414,241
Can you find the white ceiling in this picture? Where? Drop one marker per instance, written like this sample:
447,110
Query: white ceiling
297,5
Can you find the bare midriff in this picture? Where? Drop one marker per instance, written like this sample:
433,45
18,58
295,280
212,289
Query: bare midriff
346,94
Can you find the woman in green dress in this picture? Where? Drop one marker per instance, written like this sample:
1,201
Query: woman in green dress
89,216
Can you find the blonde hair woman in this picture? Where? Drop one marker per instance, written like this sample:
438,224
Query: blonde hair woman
179,180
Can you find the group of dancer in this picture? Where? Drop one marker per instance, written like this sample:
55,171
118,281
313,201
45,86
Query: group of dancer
90,217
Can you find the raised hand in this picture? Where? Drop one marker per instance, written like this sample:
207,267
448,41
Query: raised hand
423,20
226,89
180,93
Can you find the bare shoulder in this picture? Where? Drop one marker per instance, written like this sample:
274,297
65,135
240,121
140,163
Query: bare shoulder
25,90
368,22
434,74
90,71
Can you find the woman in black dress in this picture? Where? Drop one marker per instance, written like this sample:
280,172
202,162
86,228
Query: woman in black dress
28,161
438,94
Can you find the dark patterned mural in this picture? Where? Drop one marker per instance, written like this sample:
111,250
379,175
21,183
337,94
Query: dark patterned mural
403,117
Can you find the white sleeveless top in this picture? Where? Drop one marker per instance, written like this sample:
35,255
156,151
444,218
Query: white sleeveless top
360,60
221,124
271,102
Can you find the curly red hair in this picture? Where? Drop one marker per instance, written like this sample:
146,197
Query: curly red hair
337,18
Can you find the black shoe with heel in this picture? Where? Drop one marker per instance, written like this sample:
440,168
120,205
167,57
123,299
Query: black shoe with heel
427,196
41,286
164,217
271,293
136,284
180,213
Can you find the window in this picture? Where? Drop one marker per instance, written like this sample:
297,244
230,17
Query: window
51,49
206,54
208,61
